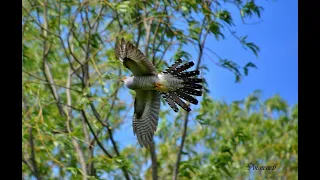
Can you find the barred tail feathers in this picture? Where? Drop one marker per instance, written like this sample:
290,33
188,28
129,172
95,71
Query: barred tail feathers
173,66
190,88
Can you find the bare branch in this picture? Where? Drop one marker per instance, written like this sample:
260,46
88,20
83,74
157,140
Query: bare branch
46,68
106,124
163,36
94,135
45,82
63,45
139,36
90,167
33,155
165,50
154,43
201,46
95,21
118,20
33,165
78,150
184,133
72,21
154,161
80,157
37,22
28,164
147,26
53,89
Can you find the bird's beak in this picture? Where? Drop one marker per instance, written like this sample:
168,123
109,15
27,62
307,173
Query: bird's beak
121,79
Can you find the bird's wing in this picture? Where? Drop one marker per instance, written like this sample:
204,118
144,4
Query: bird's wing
133,59
145,118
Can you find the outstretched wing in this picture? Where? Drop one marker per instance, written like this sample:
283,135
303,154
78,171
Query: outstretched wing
145,118
133,59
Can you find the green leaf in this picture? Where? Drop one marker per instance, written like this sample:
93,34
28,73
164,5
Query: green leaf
254,48
73,170
245,69
238,78
250,64
225,16
250,7
214,27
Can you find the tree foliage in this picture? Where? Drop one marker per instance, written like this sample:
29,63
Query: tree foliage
74,107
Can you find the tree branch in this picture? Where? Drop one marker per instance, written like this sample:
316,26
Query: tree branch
184,133
154,42
53,89
33,156
165,50
46,68
28,164
147,26
106,124
33,166
76,146
154,161
94,135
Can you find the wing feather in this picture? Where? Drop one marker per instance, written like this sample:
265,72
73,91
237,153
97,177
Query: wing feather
146,113
133,59
170,101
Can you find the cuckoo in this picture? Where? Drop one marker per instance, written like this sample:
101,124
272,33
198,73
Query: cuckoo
175,84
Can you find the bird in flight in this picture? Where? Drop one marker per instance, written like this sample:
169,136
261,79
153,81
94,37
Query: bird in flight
173,84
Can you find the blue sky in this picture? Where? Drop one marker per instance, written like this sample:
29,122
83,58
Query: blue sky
277,37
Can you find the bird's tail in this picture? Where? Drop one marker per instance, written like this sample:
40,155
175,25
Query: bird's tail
191,86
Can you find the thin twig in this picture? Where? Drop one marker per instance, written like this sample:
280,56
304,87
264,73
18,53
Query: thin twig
184,133
28,165
118,20
106,124
147,26
94,135
33,155
26,82
154,43
154,161
165,50
78,150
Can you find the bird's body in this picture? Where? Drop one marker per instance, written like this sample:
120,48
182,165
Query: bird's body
161,82
173,84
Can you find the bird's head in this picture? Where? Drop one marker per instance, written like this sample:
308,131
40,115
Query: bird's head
126,80
122,79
